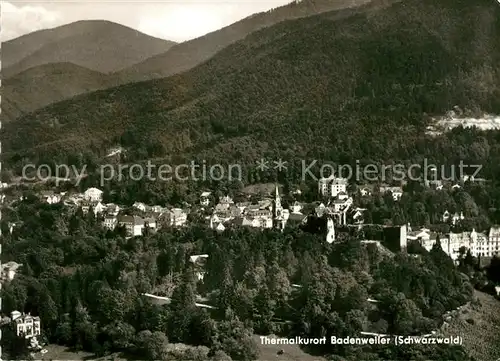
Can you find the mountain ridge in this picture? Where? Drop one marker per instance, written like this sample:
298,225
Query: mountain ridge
87,43
186,55
310,87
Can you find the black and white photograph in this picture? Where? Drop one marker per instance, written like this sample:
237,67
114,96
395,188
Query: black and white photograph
250,180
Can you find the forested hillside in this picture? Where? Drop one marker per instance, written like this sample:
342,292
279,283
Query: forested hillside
98,45
42,85
360,87
188,54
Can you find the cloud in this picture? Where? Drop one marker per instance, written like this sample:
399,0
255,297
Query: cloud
181,22
188,20
18,20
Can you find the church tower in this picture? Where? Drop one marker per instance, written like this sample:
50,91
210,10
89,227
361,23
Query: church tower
279,221
330,229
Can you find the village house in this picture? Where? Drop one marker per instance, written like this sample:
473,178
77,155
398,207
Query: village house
156,209
112,209
205,199
86,206
50,197
98,208
13,225
336,210
93,195
225,203
27,326
356,215
176,217
424,236
332,186
266,203
323,184
341,204
9,270
199,262
365,191
254,221
242,206
264,214
218,219
494,241
226,211
472,179
296,207
217,223
295,219
454,219
473,241
133,225
150,224
396,192
479,244
110,221
320,210
140,206
252,215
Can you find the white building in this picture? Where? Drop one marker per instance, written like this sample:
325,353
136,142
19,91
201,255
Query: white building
205,199
157,209
140,206
332,186
478,244
133,225
26,325
296,207
357,215
330,229
339,185
323,184
50,197
9,270
98,208
396,192
150,223
176,217
110,222
493,242
93,195
112,209
199,262
365,191
220,227
454,219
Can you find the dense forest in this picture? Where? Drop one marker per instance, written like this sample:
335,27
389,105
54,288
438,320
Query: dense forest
85,283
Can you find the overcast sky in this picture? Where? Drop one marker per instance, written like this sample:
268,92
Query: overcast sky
173,20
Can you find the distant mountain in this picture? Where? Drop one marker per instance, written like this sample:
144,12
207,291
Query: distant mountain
45,84
188,54
322,87
98,45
